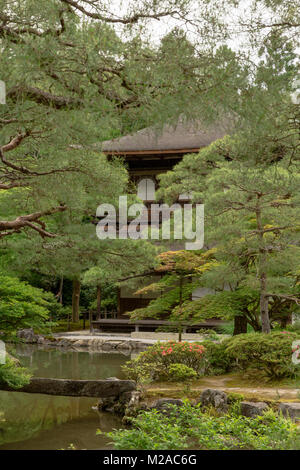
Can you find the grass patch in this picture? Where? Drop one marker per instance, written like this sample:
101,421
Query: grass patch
63,326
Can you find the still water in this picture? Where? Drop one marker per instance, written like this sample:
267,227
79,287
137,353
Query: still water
33,421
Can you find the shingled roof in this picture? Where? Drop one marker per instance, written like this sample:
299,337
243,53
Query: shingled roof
180,138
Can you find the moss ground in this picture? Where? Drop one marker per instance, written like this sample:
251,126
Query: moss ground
279,391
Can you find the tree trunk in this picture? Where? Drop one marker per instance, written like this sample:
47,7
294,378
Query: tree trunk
264,310
262,268
90,320
180,334
180,309
240,325
75,301
60,291
68,321
98,302
286,320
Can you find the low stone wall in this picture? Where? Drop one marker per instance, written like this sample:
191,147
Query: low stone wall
96,343
99,344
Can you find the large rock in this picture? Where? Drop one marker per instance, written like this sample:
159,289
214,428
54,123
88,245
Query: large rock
28,335
81,343
125,345
64,343
110,345
291,410
251,409
41,339
163,403
126,403
215,398
77,388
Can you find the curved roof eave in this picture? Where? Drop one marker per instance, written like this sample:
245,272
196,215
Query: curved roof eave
183,136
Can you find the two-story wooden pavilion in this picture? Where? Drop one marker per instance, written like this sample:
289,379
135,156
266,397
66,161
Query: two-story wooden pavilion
150,152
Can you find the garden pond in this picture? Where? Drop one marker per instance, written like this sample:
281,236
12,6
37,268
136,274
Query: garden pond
33,421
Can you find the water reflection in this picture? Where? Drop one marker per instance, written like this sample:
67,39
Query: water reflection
69,364
33,421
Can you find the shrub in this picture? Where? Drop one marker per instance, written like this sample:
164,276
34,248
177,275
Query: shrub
208,333
23,306
295,327
192,428
181,372
217,360
155,362
13,375
228,328
269,353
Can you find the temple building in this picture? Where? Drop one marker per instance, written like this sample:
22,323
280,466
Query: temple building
148,153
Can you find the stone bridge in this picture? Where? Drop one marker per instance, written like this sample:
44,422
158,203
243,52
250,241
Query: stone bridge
76,388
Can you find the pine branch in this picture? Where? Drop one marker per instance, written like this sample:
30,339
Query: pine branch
44,97
8,227
129,20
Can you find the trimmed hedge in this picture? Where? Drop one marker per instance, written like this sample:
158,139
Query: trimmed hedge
269,353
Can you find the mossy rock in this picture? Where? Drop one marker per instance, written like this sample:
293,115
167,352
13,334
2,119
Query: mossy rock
235,397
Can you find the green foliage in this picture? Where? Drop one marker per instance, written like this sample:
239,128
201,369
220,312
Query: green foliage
217,361
13,375
257,354
62,326
181,373
191,428
228,328
269,355
252,219
155,362
23,306
208,333
295,327
182,269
